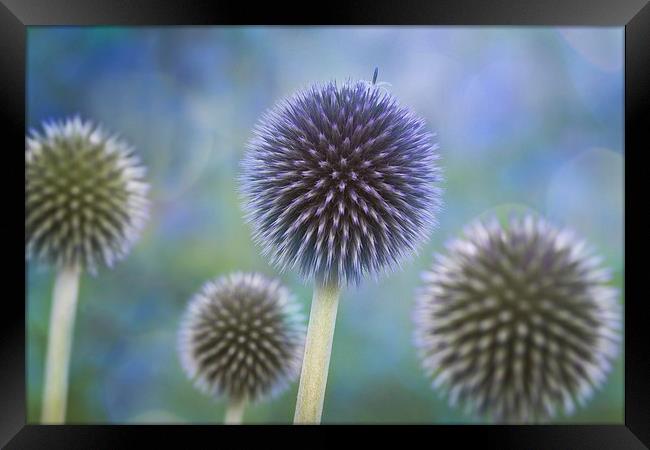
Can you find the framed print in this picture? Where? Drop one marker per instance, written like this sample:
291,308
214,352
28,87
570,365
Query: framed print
384,219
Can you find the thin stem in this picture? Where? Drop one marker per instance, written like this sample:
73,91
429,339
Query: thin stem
318,347
235,411
59,343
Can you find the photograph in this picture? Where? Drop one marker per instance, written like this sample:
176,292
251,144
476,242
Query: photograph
325,225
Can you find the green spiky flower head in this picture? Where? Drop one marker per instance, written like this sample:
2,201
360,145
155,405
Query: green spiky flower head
85,195
242,336
518,322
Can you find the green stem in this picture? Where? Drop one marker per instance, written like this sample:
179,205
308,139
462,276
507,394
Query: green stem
235,412
59,343
318,347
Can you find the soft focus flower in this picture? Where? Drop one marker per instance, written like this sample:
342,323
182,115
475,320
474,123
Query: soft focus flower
85,193
517,322
242,336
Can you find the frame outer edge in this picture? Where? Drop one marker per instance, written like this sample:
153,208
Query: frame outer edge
637,101
407,12
12,80
12,333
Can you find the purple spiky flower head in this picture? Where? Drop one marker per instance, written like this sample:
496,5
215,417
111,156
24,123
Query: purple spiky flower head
517,322
242,336
340,182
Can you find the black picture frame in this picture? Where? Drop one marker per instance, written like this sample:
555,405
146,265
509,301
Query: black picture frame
17,15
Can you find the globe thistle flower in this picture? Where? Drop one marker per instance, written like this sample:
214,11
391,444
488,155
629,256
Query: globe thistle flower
518,323
84,207
84,195
242,337
338,183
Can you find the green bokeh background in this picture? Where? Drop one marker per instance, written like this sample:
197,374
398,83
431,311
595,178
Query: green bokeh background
528,119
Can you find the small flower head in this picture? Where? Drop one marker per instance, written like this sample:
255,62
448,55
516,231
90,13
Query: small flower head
517,323
339,182
242,336
85,195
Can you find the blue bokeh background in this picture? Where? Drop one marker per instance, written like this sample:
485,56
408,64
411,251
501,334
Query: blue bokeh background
528,119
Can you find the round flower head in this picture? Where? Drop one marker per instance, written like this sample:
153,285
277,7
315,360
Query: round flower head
339,182
242,336
84,195
517,323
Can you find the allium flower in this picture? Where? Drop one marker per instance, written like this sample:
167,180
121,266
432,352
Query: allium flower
85,195
339,182
242,336
517,323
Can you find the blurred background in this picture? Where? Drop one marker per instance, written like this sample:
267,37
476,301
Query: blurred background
528,119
